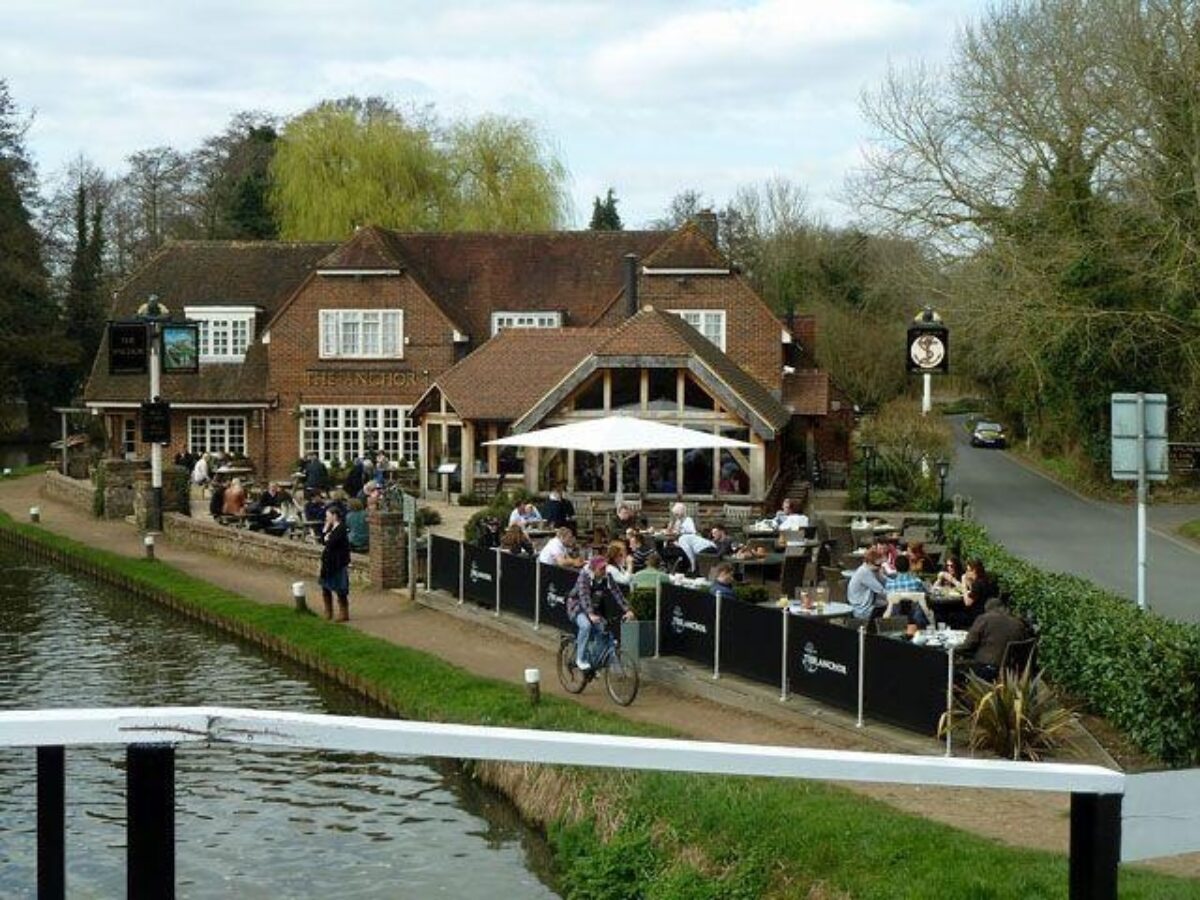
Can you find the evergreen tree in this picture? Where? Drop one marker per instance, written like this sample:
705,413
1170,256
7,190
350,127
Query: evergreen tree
604,214
85,307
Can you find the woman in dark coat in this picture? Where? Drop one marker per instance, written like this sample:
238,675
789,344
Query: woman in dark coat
335,565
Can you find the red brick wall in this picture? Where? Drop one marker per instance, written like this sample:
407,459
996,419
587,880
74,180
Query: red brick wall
302,378
752,332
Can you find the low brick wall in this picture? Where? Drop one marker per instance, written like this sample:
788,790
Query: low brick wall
250,546
73,491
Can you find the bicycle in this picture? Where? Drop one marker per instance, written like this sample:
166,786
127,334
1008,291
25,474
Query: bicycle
619,668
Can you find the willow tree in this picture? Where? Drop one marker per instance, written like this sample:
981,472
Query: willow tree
505,177
347,163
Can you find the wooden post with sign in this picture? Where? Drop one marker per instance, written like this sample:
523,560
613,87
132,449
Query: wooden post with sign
928,351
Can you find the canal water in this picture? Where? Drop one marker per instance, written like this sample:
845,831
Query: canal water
250,822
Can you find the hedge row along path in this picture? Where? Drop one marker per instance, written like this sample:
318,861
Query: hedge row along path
1033,820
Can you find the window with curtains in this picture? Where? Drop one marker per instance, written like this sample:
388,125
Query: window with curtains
362,334
344,432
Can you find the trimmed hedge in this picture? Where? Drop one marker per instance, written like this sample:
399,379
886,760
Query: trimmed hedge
1138,670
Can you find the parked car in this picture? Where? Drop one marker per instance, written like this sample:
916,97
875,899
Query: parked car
989,434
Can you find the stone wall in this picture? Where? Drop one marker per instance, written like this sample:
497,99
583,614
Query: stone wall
73,491
176,493
254,548
119,477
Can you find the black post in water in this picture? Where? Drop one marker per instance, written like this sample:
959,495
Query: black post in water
150,813
51,823
1095,846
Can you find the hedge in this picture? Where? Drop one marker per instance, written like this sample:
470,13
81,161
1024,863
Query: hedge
1136,669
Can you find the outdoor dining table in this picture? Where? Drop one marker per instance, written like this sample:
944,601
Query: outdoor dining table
757,562
830,610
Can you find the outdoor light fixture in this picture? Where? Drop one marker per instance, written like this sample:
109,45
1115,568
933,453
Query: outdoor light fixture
943,470
868,455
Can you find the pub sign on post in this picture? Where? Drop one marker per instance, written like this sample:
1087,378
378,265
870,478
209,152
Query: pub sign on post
156,422
181,348
928,344
128,348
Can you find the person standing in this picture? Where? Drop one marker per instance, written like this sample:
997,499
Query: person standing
335,565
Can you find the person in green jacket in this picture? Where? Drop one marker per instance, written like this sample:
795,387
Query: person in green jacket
651,575
356,527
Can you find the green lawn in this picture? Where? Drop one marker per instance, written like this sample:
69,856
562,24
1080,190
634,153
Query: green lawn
664,835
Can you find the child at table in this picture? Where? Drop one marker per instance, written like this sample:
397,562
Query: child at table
722,585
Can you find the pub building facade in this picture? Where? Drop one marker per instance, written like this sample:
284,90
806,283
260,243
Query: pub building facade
427,345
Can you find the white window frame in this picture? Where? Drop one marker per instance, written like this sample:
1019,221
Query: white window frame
225,322
217,434
334,334
697,319
339,433
516,319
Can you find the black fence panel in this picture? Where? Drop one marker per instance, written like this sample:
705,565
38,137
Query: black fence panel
752,641
479,575
687,624
905,684
823,661
444,576
556,584
517,587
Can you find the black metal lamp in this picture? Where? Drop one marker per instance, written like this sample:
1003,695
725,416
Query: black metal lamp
943,470
868,455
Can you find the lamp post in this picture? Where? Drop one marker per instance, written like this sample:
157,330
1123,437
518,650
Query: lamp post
152,312
943,469
868,454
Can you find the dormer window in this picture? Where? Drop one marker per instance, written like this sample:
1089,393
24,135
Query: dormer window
502,320
709,322
225,331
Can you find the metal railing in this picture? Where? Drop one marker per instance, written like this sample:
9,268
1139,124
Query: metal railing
151,736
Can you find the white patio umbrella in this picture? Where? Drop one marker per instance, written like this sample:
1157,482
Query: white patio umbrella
621,436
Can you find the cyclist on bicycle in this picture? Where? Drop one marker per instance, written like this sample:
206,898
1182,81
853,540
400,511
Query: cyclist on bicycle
595,598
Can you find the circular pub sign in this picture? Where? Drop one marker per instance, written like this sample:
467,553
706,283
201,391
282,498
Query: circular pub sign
928,343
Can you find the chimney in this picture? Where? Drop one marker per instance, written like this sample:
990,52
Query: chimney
706,221
631,284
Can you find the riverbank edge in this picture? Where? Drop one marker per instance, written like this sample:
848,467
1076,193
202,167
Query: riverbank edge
590,821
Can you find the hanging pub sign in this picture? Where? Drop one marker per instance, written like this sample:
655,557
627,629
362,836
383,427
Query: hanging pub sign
928,343
156,422
181,348
128,349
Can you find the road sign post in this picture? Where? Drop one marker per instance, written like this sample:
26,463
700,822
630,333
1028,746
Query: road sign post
1139,453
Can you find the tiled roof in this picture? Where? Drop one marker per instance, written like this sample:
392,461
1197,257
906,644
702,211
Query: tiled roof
806,392
687,248
506,376
471,275
208,273
368,248
653,332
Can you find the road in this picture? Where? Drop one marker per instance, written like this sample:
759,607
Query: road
1057,530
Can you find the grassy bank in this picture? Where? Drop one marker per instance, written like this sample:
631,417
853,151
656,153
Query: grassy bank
627,834
1191,530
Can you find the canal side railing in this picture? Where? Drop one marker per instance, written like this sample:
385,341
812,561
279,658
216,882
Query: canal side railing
1114,817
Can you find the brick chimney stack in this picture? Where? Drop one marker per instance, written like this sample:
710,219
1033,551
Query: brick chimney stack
706,221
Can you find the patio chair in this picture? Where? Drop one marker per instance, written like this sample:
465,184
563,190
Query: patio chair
736,515
1019,656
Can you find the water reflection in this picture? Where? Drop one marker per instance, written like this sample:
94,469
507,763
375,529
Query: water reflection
251,821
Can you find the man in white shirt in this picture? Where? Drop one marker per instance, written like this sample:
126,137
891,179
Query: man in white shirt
788,519
560,550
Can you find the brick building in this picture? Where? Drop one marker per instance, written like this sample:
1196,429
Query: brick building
330,347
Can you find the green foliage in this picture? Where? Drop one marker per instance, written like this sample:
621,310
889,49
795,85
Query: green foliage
907,446
352,162
751,593
99,478
1017,717
427,517
1138,670
500,508
471,499
604,214
641,601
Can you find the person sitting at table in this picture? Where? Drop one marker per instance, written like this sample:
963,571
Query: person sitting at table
866,594
357,531
951,574
267,512
640,551
674,552
516,541
978,588
558,511
315,475
560,550
904,581
722,582
234,502
887,556
651,574
356,479
989,637
314,511
216,502
918,561
790,518
723,545
489,533
615,556
625,518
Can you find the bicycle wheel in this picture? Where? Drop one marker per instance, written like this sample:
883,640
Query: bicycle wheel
572,680
621,677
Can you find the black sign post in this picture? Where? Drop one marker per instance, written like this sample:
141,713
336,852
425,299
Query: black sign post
928,351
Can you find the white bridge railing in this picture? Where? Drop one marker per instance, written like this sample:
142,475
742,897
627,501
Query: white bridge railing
1157,805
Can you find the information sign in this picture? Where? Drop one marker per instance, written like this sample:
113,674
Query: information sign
1126,430
156,422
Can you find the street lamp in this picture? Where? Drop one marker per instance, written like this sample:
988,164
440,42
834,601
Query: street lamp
868,455
943,469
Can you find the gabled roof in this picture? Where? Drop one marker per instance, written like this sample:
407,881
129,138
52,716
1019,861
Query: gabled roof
687,248
506,376
653,332
185,274
368,248
806,392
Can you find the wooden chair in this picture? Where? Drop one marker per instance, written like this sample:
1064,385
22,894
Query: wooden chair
737,515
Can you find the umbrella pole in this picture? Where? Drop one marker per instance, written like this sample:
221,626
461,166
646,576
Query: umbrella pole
620,477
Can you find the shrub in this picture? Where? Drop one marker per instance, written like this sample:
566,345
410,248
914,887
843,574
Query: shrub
1136,669
752,593
427,516
1017,717
471,499
641,600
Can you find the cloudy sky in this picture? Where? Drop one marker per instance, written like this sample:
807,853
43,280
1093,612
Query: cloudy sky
650,97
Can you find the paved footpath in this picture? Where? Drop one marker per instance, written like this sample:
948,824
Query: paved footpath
469,639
